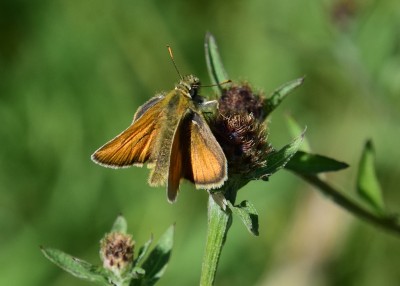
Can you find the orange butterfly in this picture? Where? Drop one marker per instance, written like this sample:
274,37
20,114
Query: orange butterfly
171,135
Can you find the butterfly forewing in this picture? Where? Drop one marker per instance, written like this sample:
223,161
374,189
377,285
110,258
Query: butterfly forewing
208,162
134,145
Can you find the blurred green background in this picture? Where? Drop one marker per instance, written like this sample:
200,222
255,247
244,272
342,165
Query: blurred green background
72,74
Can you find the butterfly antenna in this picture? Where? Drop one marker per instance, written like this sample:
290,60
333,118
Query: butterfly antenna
218,84
173,61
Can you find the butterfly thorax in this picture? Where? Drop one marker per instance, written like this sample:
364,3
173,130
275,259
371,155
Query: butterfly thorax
189,86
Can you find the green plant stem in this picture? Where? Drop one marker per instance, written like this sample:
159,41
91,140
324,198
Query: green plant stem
219,222
388,223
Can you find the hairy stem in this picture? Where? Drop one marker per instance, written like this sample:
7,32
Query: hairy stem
219,222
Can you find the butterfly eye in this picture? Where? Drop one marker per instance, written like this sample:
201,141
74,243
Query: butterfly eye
194,91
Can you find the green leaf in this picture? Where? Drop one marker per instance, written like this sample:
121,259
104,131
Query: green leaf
248,214
280,93
215,67
276,160
142,251
75,266
306,163
157,261
120,225
368,186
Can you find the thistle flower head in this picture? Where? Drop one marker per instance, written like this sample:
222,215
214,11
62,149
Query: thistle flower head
240,130
240,99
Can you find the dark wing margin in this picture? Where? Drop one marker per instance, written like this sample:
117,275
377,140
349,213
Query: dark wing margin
146,106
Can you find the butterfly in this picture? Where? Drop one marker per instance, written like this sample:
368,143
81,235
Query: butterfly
170,133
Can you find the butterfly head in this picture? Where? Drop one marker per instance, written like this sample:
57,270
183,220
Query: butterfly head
189,85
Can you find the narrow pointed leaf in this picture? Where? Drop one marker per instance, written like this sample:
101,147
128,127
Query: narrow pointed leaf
279,94
368,186
157,261
142,251
248,214
306,163
120,225
278,159
215,67
75,266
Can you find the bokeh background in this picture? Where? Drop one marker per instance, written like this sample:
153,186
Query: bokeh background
72,74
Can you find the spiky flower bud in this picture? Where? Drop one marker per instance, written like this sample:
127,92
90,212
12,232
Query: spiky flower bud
116,252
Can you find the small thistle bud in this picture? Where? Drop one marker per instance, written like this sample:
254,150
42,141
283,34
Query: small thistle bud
240,130
116,252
